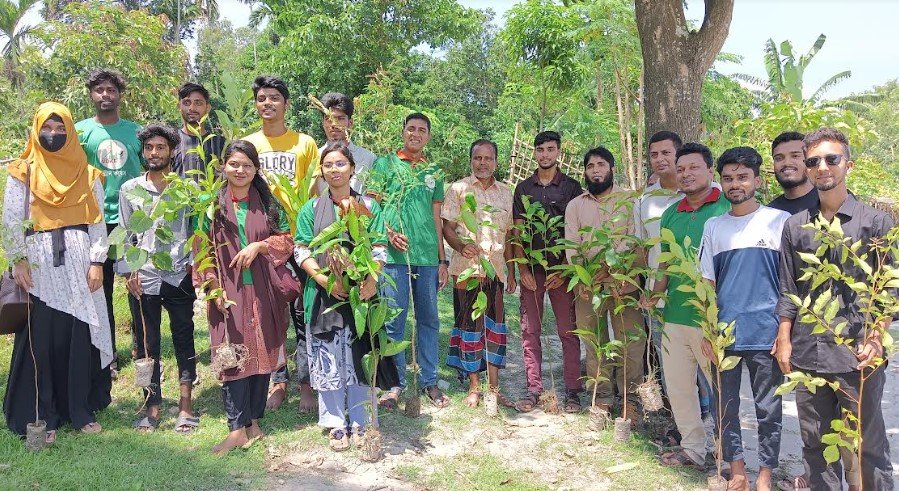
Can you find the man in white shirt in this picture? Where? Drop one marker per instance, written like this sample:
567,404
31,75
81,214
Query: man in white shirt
337,126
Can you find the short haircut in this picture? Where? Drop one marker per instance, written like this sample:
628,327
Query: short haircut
745,156
420,116
601,152
340,101
483,141
269,82
338,146
158,129
189,88
786,136
693,147
827,134
97,77
661,136
547,136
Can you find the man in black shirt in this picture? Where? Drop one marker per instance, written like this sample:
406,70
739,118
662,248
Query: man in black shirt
789,170
827,163
194,106
552,189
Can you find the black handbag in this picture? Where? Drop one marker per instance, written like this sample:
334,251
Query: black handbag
15,303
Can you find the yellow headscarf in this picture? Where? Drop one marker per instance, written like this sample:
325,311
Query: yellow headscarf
62,181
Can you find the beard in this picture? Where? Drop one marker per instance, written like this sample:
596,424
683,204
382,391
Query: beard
160,166
739,200
599,187
790,183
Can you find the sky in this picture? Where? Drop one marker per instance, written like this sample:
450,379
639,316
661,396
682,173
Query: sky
861,36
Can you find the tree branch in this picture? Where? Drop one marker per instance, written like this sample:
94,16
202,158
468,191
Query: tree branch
707,42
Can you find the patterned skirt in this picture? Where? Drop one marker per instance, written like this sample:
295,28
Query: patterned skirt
475,343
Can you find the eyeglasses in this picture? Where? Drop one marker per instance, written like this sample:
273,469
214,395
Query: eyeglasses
831,159
340,164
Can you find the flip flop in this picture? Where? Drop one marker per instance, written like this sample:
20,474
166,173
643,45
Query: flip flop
572,403
436,396
338,440
147,424
389,400
190,422
528,403
681,459
798,483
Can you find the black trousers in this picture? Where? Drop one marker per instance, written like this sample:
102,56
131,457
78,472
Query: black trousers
817,410
245,400
298,319
178,301
108,282
69,387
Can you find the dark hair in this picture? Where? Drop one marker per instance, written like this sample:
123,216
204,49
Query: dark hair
340,101
660,136
157,129
269,82
269,203
482,141
97,77
786,136
338,146
745,156
547,136
827,134
693,147
601,152
189,88
420,116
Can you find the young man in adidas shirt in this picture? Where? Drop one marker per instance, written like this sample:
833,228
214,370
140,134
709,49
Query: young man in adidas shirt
739,255
285,152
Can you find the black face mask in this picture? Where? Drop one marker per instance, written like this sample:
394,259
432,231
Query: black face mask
52,142
599,187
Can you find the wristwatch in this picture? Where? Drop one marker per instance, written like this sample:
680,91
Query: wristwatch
444,262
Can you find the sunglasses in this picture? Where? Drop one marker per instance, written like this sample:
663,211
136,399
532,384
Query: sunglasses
831,160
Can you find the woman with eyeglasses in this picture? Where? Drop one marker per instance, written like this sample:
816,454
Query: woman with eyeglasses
335,351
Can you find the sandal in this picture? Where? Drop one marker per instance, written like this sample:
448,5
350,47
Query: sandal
680,458
92,428
528,403
572,403
390,400
504,401
438,399
798,483
356,437
146,424
190,423
338,440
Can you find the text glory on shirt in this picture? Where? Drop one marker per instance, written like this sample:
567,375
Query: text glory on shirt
741,255
291,154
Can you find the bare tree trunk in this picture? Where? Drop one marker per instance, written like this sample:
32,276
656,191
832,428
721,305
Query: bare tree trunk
641,128
622,132
629,139
676,60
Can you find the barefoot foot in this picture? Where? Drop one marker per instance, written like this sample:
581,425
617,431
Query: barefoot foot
235,439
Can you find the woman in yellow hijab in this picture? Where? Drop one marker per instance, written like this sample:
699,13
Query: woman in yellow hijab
56,239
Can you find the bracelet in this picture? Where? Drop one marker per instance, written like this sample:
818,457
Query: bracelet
444,262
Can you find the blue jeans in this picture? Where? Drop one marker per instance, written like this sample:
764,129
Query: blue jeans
427,322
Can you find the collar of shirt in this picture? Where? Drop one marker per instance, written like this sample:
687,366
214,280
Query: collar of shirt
147,184
238,200
556,180
847,209
474,181
683,206
587,195
403,155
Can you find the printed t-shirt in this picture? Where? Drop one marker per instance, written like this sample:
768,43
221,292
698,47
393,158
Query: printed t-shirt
407,191
683,221
291,155
115,150
742,255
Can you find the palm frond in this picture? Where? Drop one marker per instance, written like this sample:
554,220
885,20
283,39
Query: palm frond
807,58
839,77
772,66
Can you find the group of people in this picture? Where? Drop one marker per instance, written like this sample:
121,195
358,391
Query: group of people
76,182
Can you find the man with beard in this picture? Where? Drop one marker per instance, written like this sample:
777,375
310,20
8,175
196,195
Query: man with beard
194,106
739,255
682,337
152,288
337,127
603,206
552,190
789,170
820,355
286,152
111,145
478,345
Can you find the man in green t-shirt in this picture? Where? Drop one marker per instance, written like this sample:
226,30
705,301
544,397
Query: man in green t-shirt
111,145
410,190
682,338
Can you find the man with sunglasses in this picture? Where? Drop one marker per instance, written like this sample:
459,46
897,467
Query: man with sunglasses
827,163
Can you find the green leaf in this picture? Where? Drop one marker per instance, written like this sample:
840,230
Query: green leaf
135,257
394,347
164,234
489,270
162,260
831,454
118,235
139,222
729,363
